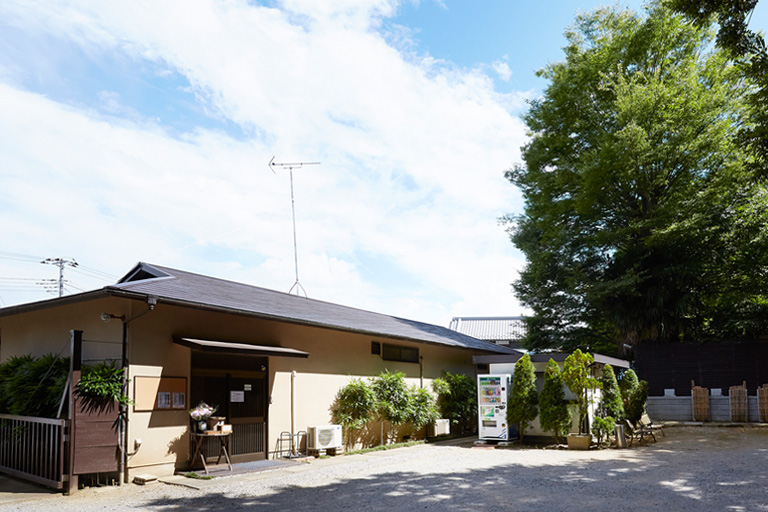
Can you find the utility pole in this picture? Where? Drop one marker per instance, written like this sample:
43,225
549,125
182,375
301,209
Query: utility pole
61,263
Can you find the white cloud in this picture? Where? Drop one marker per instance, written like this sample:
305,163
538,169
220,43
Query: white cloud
502,69
412,157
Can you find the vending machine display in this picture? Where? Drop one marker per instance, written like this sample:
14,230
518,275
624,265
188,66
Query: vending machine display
492,407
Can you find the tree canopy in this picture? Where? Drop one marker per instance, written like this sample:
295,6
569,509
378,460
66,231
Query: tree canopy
748,50
644,219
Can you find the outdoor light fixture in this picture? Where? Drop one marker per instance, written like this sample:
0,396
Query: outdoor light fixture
106,317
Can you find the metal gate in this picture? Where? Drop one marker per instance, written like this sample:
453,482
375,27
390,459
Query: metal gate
33,449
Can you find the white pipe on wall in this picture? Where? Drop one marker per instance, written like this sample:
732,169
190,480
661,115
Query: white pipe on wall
293,386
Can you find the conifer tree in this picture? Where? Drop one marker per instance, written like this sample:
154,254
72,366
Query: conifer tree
523,404
611,403
554,415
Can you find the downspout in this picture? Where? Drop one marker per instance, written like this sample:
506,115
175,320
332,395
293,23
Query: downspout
293,386
421,371
123,433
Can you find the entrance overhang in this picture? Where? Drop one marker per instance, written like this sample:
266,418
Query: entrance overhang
228,347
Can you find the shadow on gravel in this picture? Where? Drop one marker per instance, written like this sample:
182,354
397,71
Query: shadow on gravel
641,480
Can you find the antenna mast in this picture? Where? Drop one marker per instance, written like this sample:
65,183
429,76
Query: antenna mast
291,166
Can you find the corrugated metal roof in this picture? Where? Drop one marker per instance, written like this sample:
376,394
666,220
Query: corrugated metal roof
491,328
189,289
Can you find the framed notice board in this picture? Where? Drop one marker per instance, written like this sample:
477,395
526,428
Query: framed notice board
160,393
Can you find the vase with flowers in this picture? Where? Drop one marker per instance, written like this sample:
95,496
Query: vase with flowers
200,415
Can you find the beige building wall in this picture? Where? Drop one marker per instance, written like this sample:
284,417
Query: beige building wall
48,331
335,358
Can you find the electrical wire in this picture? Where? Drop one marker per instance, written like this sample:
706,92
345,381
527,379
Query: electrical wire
93,275
98,272
18,256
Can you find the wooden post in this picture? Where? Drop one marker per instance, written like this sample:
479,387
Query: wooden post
75,367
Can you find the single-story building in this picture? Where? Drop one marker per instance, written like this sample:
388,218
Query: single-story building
272,362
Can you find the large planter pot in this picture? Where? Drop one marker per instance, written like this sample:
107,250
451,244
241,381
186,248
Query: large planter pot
579,441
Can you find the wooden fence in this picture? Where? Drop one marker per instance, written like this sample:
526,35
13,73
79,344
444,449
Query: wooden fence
33,449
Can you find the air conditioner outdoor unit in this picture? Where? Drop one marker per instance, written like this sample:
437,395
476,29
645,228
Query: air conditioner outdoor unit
440,427
322,437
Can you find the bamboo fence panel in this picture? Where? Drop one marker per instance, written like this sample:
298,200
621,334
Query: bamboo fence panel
738,398
700,402
762,402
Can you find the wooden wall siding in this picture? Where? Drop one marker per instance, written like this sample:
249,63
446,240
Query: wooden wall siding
33,449
717,365
96,438
94,444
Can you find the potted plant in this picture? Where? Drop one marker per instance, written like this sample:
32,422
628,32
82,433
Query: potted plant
576,375
200,415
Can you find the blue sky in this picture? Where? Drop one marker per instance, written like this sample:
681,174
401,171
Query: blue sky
143,133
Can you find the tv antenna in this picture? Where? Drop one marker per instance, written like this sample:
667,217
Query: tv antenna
291,166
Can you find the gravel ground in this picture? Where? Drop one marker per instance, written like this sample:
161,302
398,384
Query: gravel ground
690,469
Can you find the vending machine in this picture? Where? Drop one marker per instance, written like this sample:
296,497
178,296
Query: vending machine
492,393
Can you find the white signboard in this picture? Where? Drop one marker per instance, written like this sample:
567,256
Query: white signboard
237,396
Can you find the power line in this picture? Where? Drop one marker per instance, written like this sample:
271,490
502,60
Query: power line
96,272
94,276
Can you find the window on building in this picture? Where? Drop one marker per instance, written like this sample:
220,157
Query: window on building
400,353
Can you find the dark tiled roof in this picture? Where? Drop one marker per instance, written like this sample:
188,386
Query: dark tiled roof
186,288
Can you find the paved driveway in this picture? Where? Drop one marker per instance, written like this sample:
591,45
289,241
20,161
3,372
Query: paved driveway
696,469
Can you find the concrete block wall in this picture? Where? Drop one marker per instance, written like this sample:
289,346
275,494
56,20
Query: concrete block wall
680,408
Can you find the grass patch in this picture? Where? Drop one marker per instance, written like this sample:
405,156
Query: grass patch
385,447
192,474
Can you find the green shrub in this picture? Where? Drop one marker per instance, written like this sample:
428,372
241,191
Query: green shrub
355,405
384,398
602,428
554,415
457,400
103,381
627,386
522,408
423,407
32,386
637,402
611,403
393,397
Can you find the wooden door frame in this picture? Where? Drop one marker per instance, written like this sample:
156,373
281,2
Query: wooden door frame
229,374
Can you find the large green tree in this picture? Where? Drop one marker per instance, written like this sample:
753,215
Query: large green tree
643,218
748,50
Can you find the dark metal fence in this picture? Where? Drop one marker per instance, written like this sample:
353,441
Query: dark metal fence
713,365
33,449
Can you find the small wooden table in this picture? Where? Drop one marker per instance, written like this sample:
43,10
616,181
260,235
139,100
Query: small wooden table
223,438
